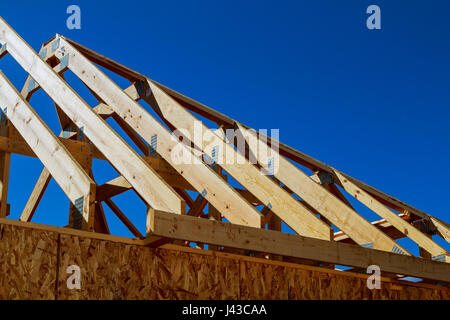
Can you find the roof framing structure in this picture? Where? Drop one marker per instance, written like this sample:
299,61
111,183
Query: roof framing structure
239,206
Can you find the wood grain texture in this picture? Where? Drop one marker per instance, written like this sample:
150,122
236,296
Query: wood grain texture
261,281
31,258
181,275
120,271
124,159
28,262
109,271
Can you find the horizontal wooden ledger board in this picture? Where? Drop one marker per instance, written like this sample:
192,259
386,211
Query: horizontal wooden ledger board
34,260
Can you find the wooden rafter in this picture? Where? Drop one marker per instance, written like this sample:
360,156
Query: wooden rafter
297,216
221,119
116,210
144,180
414,234
5,159
36,196
199,175
67,172
310,205
333,209
205,111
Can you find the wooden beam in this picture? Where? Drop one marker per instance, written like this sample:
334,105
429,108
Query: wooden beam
144,180
122,217
78,149
3,50
185,196
107,63
5,160
43,180
293,213
285,150
36,196
222,119
213,213
119,185
442,227
112,188
70,231
381,224
132,134
197,207
333,209
292,153
137,140
225,234
101,225
409,230
68,173
335,190
200,176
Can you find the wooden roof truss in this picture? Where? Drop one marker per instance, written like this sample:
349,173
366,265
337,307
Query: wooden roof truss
244,220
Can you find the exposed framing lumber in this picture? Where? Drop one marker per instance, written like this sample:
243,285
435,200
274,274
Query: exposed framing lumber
225,234
112,188
40,186
409,230
67,172
280,200
75,232
101,225
222,119
120,185
200,176
132,134
197,207
185,196
145,181
285,150
442,227
381,224
237,205
335,190
213,213
207,253
205,111
36,196
293,213
3,50
78,149
122,217
293,154
328,205
5,160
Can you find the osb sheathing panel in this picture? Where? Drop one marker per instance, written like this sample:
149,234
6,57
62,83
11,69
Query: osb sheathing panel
28,261
261,281
119,271
108,270
181,275
265,281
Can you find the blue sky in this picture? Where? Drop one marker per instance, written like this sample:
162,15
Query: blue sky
373,103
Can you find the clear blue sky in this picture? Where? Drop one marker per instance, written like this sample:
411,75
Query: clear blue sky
373,103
